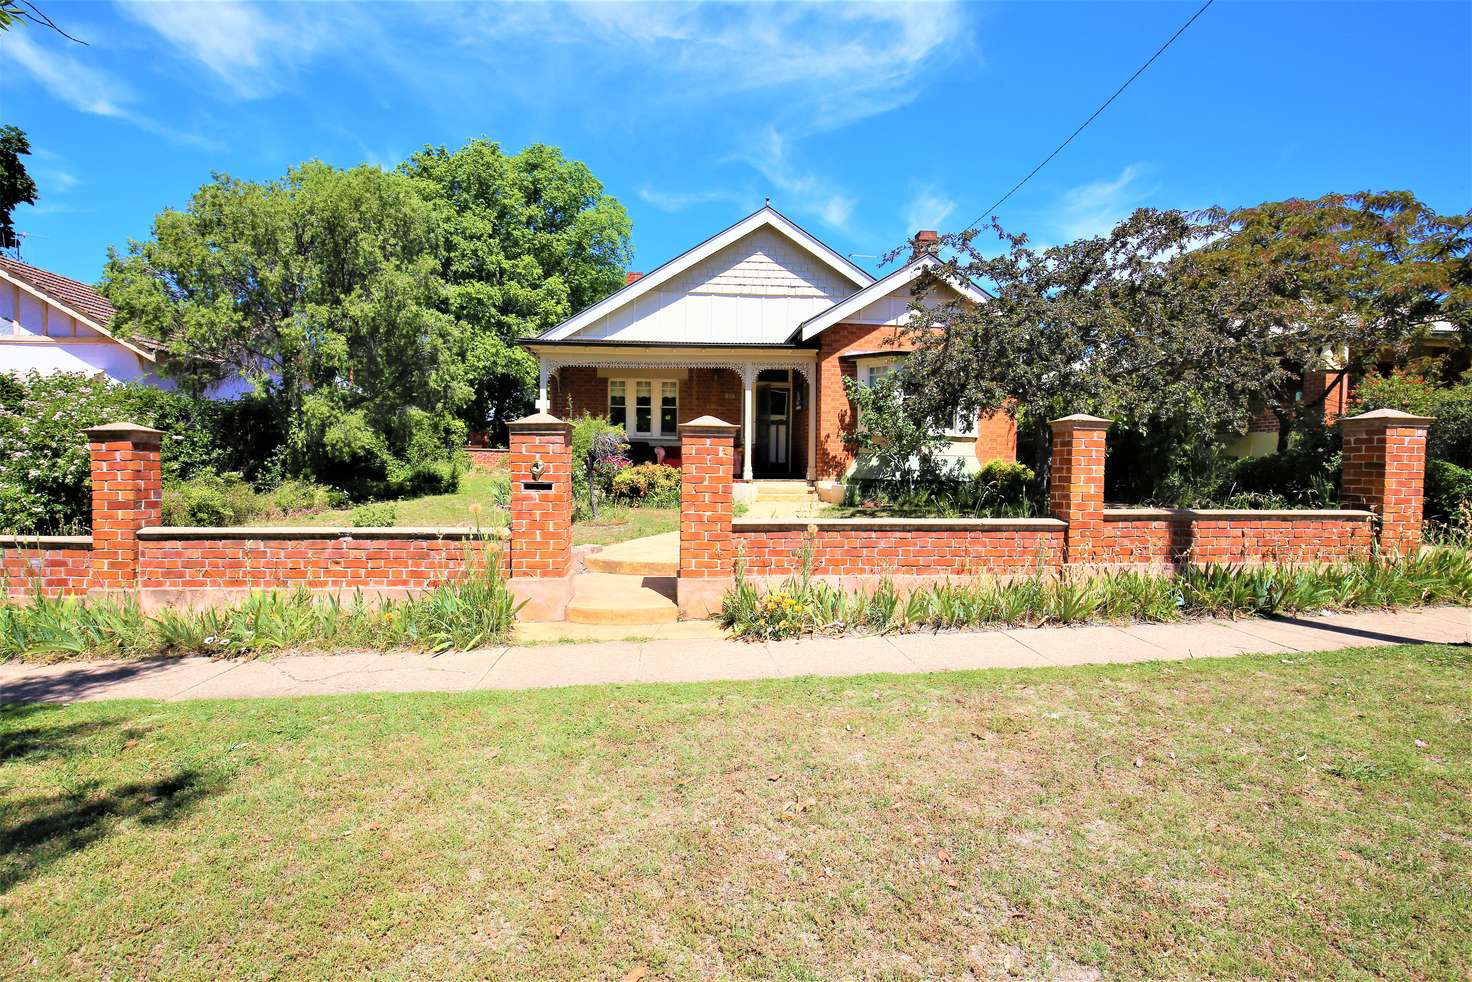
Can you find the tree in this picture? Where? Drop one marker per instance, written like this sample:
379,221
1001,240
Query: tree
16,186
1182,324
530,239
322,289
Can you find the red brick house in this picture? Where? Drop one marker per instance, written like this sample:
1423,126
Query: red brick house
757,325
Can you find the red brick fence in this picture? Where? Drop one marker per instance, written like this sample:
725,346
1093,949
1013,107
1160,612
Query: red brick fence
1384,462
130,553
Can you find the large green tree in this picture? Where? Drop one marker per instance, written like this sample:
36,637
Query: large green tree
324,290
530,239
1184,324
16,186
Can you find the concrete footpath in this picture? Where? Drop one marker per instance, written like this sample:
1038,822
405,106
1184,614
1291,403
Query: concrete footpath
691,659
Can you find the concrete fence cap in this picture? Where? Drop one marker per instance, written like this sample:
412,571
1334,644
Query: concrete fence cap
539,423
708,423
108,432
1081,421
1386,417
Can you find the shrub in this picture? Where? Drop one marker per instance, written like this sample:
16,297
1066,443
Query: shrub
1448,489
1450,437
653,485
297,497
598,453
211,499
378,515
1000,489
45,474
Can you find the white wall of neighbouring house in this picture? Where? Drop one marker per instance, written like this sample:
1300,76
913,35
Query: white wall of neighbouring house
36,336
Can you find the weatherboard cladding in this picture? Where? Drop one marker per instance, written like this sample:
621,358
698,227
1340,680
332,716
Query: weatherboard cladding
755,290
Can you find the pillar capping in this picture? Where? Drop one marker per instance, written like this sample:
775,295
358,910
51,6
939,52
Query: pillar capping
1387,418
1081,421
707,426
134,432
538,423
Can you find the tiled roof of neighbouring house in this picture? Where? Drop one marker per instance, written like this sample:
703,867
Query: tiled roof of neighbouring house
66,291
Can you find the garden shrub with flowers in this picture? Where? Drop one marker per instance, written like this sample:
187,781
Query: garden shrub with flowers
650,485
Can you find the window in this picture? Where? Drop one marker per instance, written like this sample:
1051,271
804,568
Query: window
962,425
645,418
618,407
669,406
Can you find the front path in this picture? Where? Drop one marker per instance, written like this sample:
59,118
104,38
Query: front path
685,659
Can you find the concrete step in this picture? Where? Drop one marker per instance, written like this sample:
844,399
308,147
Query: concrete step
654,555
612,598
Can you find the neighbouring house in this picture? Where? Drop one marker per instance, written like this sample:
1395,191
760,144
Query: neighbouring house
757,325
51,323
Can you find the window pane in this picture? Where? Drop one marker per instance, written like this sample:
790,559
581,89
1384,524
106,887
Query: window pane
669,405
618,412
643,403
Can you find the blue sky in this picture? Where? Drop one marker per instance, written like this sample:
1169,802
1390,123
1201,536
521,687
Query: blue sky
862,122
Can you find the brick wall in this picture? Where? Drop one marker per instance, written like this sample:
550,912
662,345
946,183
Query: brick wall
1161,538
54,565
1076,484
703,392
996,437
910,547
179,559
487,458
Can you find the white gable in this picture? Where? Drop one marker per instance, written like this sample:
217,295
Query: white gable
887,301
755,291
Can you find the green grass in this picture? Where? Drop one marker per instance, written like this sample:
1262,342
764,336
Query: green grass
1301,816
616,523
483,488
619,523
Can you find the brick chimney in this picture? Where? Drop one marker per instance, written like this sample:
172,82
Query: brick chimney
631,277
926,241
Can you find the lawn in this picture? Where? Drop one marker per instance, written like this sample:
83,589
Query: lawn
1258,816
616,523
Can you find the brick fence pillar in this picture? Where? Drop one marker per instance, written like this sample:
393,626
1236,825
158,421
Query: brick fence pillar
707,559
539,554
1385,472
127,495
1076,484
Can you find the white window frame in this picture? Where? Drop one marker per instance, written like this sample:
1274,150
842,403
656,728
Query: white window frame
887,363
656,401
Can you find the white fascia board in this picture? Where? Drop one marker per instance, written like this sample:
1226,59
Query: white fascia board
901,277
51,301
767,217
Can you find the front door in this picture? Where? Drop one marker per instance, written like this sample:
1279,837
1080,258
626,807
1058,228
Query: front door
773,436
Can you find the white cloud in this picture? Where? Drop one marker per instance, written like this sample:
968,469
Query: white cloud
800,190
927,209
1095,208
681,200
68,78
255,50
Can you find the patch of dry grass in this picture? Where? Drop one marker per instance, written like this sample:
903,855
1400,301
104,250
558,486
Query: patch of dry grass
1244,817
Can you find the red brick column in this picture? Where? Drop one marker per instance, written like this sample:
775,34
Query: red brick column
539,555
1076,484
996,436
1385,472
127,495
707,562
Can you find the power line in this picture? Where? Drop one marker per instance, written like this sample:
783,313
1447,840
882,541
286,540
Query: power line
1059,149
